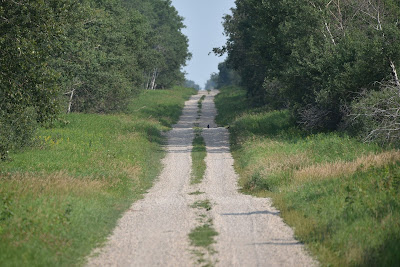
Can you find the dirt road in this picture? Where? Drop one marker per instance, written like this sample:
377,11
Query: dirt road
154,232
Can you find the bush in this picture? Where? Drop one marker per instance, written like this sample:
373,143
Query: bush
16,130
375,115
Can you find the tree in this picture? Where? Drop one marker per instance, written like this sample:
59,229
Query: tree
29,93
191,84
313,56
167,46
212,82
227,76
82,56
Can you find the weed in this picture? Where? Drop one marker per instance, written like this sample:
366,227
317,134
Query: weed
196,193
203,236
202,204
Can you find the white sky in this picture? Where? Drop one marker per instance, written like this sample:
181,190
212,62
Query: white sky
203,19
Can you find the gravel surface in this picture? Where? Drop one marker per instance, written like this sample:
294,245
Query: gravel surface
251,233
154,232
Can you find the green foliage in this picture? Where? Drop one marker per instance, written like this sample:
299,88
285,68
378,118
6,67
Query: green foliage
63,197
341,196
110,52
81,56
374,115
16,130
101,57
226,76
212,82
312,56
31,34
167,46
227,113
191,84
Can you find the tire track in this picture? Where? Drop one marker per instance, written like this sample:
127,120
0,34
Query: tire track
154,232
251,232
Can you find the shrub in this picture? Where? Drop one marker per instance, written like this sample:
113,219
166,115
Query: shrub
16,130
375,115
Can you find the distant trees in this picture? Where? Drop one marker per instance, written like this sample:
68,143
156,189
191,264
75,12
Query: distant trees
212,82
314,57
82,55
168,46
191,84
225,77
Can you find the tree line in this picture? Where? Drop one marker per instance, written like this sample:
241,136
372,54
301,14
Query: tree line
332,63
82,56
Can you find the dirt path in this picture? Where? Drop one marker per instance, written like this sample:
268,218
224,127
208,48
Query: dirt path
154,232
251,233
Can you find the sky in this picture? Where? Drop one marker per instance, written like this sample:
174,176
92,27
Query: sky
203,19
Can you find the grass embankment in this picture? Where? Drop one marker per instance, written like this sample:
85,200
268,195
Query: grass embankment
61,198
341,196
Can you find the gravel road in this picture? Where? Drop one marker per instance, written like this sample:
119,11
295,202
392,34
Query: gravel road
154,232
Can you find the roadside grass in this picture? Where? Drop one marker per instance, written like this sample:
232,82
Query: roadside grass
341,196
63,197
231,103
199,153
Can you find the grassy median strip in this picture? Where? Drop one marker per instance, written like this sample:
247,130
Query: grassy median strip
203,236
341,196
196,193
198,155
200,103
200,106
63,197
202,204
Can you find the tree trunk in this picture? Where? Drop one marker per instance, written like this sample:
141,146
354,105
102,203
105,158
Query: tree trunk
148,81
70,101
153,81
394,73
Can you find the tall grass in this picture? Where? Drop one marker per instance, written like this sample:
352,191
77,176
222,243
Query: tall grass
61,198
341,196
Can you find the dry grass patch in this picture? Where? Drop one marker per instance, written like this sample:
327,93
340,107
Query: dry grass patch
55,183
342,168
282,162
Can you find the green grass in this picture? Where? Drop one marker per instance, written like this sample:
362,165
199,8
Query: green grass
341,196
203,236
202,204
196,193
200,104
227,113
63,197
198,155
